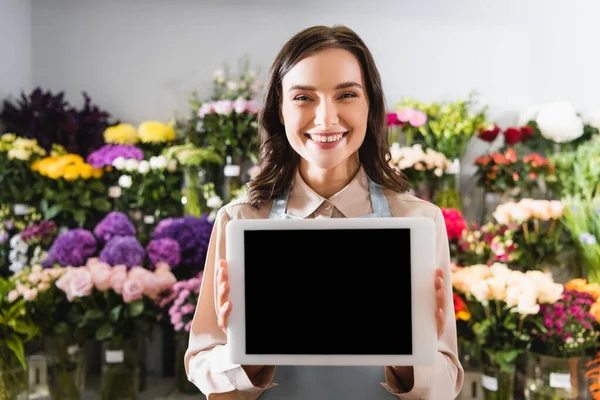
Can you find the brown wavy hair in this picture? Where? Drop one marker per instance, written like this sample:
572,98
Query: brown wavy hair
277,159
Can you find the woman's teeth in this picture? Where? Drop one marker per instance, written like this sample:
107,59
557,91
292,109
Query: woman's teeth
326,139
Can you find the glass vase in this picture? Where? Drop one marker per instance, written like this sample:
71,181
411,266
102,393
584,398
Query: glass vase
554,378
14,380
183,383
448,191
66,368
194,179
120,376
497,383
232,177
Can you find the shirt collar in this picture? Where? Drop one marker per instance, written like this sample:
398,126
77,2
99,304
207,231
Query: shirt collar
352,201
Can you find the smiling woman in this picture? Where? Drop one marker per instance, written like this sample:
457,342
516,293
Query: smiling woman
324,153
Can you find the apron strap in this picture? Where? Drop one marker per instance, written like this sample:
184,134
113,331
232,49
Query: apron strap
379,202
279,205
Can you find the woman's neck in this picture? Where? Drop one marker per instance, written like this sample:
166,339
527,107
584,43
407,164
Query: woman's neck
327,182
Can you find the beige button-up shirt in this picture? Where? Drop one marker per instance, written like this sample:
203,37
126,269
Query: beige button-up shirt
206,360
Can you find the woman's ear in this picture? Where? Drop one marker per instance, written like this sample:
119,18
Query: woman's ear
281,116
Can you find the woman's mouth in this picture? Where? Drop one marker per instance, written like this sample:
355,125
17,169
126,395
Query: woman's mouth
326,140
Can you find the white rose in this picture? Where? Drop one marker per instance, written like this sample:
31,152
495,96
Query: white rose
214,202
550,292
159,162
144,167
131,165
513,293
119,163
125,181
528,303
497,288
480,290
559,122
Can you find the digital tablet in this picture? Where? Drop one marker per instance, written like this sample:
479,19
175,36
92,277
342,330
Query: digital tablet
342,291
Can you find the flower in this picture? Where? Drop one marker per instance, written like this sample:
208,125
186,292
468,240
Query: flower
123,250
67,166
164,250
559,122
455,223
107,154
587,238
460,309
489,134
192,234
121,134
73,248
125,181
155,132
114,224
40,233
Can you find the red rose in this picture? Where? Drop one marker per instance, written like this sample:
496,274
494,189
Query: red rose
459,304
489,135
526,133
512,135
455,223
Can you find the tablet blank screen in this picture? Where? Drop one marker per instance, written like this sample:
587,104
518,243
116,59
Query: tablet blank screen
342,291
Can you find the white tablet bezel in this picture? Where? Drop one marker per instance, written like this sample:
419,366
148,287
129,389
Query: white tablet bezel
423,258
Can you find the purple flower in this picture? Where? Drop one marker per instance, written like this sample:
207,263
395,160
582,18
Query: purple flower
192,234
123,250
114,224
43,233
161,226
164,250
72,248
106,154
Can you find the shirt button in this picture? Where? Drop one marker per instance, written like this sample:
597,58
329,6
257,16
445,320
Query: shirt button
327,206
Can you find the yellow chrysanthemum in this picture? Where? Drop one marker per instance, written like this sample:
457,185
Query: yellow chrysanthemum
58,150
155,132
85,171
71,172
8,137
121,134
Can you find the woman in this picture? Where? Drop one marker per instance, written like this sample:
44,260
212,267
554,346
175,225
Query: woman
323,154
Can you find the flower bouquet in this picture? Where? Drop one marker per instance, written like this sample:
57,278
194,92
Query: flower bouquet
506,172
512,136
537,229
178,306
116,304
150,187
11,225
501,302
74,194
565,336
486,244
16,330
16,156
420,167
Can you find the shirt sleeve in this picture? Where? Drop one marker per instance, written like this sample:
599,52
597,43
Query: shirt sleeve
444,379
206,358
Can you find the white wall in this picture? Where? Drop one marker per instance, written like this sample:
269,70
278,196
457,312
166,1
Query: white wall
15,47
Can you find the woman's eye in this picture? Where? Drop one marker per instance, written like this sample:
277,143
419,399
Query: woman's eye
347,96
300,98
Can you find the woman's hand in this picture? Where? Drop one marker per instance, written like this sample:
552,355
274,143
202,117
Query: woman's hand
223,304
440,302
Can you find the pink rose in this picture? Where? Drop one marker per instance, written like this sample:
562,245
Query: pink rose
132,290
63,283
166,279
101,278
419,118
162,266
240,105
81,283
405,114
117,280
178,327
151,285
188,326
206,108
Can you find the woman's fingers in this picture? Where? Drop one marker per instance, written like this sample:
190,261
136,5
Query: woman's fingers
222,284
224,312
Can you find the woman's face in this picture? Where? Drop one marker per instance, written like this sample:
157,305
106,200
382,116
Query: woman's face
325,107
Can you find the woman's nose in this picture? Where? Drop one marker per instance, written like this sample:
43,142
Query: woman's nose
326,114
